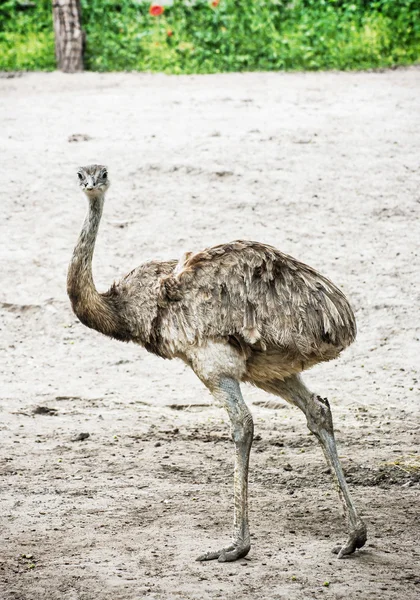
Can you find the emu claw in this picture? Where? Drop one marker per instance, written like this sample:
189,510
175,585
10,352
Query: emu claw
229,554
357,539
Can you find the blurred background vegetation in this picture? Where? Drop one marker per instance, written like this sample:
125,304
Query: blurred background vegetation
203,36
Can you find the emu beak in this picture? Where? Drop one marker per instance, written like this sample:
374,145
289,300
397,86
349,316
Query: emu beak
89,184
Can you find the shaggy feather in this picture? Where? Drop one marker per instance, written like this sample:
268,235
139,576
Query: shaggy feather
256,294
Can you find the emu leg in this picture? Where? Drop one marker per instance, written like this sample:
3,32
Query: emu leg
319,419
242,427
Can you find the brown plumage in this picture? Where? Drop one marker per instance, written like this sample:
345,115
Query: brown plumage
242,311
246,293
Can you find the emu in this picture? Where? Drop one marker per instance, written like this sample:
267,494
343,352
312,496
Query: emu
237,312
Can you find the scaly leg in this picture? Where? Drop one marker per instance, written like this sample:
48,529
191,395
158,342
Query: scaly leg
319,419
229,393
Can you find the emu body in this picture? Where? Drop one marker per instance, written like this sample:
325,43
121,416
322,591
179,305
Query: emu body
237,312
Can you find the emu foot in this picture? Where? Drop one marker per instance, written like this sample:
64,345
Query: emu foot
229,554
356,539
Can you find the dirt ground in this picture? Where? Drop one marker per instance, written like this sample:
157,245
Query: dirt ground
324,166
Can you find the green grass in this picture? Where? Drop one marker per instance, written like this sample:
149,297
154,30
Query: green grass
236,35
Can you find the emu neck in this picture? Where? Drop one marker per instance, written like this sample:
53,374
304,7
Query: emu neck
93,309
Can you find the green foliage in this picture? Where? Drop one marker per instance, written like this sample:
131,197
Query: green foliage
26,36
196,37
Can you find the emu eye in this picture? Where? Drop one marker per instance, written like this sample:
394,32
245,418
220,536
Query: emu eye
80,176
104,174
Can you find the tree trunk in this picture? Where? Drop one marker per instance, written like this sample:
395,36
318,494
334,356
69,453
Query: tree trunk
68,35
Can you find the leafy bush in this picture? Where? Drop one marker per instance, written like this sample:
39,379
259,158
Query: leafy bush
230,35
26,35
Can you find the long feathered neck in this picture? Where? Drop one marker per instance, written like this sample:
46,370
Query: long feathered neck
97,311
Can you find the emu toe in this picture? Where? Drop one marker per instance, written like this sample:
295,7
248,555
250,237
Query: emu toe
356,539
228,554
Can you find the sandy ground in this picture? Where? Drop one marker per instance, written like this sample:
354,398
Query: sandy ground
324,166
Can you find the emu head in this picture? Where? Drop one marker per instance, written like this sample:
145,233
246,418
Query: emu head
93,180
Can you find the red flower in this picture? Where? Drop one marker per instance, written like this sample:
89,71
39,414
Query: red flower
156,10
215,3
169,32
